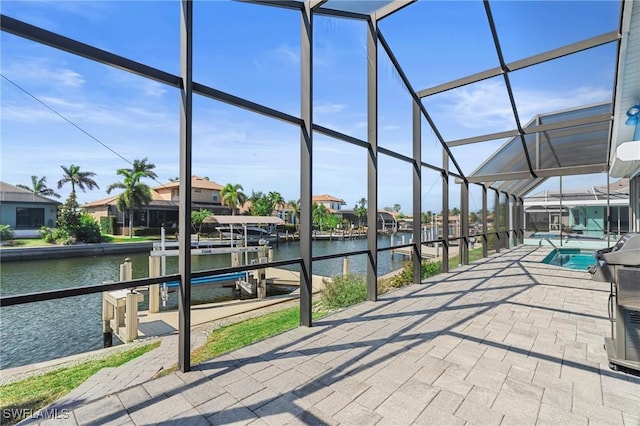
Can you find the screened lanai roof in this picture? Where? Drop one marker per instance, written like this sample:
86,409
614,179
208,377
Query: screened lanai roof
564,143
557,140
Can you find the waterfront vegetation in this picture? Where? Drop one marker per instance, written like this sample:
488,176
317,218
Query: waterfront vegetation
42,242
234,336
342,291
27,396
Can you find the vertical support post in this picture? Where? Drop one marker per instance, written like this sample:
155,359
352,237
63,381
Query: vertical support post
496,221
485,235
154,289
345,266
306,160
262,279
521,215
561,210
608,215
131,317
464,222
445,211
186,95
107,316
126,270
634,204
417,193
372,159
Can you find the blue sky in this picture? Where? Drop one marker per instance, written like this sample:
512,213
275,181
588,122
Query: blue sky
254,52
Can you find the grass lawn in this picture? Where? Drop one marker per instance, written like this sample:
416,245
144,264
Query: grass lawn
475,254
39,242
120,239
20,399
234,336
25,242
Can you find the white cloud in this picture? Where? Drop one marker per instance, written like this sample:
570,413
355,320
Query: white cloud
328,108
486,105
287,54
42,71
152,88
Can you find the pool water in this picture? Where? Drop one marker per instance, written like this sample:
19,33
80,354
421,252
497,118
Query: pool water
571,258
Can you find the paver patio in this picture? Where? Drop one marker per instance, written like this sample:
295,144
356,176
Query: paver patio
506,340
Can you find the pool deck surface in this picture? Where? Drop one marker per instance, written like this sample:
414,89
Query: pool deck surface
506,340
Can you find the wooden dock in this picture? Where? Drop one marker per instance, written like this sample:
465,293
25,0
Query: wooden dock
428,252
166,322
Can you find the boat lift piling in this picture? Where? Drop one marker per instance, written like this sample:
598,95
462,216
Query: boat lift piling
121,306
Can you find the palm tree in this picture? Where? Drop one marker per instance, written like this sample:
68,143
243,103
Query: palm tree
146,169
275,199
360,210
232,196
295,210
39,187
82,179
136,194
319,213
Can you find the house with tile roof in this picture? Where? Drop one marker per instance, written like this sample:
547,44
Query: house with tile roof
164,206
333,204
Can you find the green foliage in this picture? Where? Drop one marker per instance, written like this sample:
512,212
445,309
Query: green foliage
319,213
62,236
405,277
34,393
295,211
6,233
47,234
69,215
147,232
342,291
360,210
75,177
286,227
234,336
333,221
107,224
136,194
39,187
232,196
88,230
197,217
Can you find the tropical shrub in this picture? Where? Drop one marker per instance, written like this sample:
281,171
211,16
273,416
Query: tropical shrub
151,232
47,234
88,230
107,224
405,277
62,236
6,233
343,291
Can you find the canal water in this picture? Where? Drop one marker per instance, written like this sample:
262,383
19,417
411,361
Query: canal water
42,331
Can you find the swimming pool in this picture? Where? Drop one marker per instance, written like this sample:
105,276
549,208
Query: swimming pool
571,258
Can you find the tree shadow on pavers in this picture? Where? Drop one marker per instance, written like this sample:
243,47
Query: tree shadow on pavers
360,361
349,366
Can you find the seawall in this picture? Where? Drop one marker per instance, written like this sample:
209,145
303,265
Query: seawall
11,254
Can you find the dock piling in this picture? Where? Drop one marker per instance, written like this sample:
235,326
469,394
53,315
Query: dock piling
154,289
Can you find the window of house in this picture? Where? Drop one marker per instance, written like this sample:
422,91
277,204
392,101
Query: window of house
197,190
215,197
27,217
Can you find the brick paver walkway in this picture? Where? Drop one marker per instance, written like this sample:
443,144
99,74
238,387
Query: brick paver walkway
504,341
